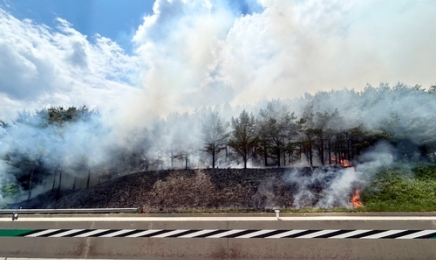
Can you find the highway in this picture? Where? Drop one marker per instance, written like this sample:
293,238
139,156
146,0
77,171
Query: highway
219,237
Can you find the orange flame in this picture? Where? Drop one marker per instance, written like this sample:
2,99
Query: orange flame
355,200
343,162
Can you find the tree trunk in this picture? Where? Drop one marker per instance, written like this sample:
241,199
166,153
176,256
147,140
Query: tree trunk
322,151
290,157
213,159
284,158
311,157
172,160
29,194
147,164
278,157
301,150
423,150
245,157
265,154
351,149
54,180
89,178
186,162
74,184
330,152
59,185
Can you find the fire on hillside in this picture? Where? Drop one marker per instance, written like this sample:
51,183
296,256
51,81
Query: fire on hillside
355,199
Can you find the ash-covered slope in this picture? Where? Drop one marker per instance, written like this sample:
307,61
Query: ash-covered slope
182,190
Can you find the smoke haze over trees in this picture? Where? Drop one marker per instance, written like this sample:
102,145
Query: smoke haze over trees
213,83
56,147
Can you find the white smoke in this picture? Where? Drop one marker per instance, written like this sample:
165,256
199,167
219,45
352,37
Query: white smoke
200,53
333,187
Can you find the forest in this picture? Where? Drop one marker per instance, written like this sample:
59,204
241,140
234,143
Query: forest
326,128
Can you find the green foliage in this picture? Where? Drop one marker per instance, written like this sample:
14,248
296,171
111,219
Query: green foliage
244,139
276,130
9,189
30,164
402,190
214,135
54,116
59,115
425,172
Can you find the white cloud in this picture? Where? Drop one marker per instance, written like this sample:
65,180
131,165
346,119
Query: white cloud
192,53
41,66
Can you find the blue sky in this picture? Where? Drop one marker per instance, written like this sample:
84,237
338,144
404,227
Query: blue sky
115,19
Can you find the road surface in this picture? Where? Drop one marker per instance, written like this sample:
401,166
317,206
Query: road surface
214,237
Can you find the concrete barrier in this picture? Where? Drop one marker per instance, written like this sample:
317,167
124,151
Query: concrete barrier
222,248
173,248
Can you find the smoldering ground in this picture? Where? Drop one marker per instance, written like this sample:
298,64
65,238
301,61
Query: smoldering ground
332,187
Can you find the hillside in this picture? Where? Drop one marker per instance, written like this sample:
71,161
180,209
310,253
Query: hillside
183,190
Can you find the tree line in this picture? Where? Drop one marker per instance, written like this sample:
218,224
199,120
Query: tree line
321,130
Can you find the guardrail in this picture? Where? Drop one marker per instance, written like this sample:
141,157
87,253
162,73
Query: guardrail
69,211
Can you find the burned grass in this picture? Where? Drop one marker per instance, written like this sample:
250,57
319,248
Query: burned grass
402,188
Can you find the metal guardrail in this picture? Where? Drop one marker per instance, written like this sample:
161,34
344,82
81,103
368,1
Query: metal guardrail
69,211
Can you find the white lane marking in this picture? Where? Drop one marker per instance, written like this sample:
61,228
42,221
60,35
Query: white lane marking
66,233
319,233
257,233
120,232
95,232
417,234
352,233
167,234
383,234
42,233
199,233
227,233
174,219
143,233
287,233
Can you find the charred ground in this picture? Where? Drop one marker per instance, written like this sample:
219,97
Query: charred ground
186,190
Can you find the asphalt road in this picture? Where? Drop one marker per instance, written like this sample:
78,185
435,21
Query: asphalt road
214,237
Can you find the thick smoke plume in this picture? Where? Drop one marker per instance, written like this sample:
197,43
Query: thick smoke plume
204,54
194,58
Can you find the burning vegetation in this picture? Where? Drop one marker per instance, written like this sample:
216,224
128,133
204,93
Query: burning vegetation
355,200
208,189
58,149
